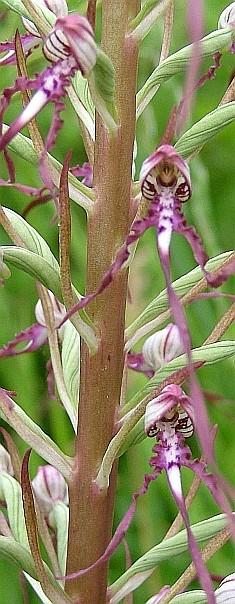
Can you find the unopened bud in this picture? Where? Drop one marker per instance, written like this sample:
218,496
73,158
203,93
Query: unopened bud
5,461
162,347
227,17
58,311
49,487
226,590
58,7
72,36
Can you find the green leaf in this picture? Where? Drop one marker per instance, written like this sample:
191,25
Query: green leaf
201,132
181,286
102,87
165,550
34,435
178,62
38,590
196,596
17,6
15,552
78,192
71,361
34,265
33,241
10,493
152,12
59,520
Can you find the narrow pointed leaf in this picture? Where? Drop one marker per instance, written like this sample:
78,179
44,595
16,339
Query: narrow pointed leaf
164,551
52,591
33,435
34,265
178,62
201,132
33,240
59,520
71,361
10,492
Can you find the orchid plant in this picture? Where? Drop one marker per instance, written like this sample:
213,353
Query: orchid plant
67,505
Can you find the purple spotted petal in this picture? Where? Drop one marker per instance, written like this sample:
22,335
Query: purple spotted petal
28,41
32,338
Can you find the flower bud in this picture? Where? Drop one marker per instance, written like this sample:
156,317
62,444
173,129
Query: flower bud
226,590
72,36
58,310
227,17
58,7
49,487
165,169
162,347
5,462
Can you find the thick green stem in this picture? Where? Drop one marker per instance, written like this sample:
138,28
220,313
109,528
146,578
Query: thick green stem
101,375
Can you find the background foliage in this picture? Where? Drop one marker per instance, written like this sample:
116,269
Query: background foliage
210,209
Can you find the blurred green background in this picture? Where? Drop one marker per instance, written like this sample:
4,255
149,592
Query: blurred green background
211,209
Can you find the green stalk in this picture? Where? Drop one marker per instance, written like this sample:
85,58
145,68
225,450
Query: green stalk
91,511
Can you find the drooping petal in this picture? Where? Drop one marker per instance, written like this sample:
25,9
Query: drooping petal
33,338
28,41
170,456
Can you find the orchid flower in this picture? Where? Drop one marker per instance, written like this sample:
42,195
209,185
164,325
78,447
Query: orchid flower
170,418
158,349
70,47
165,183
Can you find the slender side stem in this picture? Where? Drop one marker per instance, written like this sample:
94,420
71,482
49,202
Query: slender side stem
101,375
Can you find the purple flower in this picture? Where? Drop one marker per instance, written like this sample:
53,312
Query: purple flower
170,418
70,46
